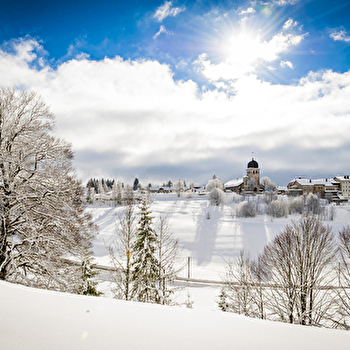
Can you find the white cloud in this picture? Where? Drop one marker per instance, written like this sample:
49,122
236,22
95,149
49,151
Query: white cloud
167,10
244,54
285,2
340,35
248,11
134,113
287,64
289,24
161,30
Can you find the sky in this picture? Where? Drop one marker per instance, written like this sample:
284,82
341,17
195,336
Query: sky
168,90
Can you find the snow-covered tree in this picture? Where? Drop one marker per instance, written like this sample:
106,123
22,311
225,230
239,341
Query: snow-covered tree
145,264
267,183
217,196
313,204
277,209
215,188
179,187
116,195
42,218
128,195
246,209
86,284
214,183
296,205
101,192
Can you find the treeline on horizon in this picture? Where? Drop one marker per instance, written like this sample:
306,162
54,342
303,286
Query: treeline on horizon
107,184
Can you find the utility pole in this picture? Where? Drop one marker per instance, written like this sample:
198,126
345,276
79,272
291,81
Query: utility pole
189,267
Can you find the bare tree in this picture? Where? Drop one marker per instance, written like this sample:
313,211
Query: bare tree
168,252
259,277
343,316
121,251
298,261
42,218
237,293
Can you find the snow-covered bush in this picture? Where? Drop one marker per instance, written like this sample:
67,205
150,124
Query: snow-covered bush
215,183
217,196
269,196
277,209
296,205
189,194
313,204
246,209
179,187
267,183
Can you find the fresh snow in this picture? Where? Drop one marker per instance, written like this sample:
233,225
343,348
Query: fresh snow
33,319
210,243
38,319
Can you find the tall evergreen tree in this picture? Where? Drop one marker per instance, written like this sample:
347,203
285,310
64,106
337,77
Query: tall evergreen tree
145,265
136,186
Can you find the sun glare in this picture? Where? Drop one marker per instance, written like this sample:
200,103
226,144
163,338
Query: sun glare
244,49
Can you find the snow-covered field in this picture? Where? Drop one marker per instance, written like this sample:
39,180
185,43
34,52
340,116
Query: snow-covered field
210,243
34,319
38,319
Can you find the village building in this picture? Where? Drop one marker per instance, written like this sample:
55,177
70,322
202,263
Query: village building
250,183
324,188
344,183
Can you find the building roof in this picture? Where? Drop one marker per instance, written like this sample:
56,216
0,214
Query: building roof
253,164
342,178
234,183
311,182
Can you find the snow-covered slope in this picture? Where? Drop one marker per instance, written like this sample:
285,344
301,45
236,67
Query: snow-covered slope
209,242
34,319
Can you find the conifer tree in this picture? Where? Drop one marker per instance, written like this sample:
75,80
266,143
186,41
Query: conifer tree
145,265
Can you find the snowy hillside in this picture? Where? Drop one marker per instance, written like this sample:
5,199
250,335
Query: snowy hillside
34,319
209,242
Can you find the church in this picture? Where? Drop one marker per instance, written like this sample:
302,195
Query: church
250,183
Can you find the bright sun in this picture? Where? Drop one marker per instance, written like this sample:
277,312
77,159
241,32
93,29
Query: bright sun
245,49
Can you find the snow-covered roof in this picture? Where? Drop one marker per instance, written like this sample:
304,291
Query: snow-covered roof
311,182
343,178
234,183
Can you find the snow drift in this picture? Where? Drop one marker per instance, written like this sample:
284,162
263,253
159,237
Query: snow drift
33,319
